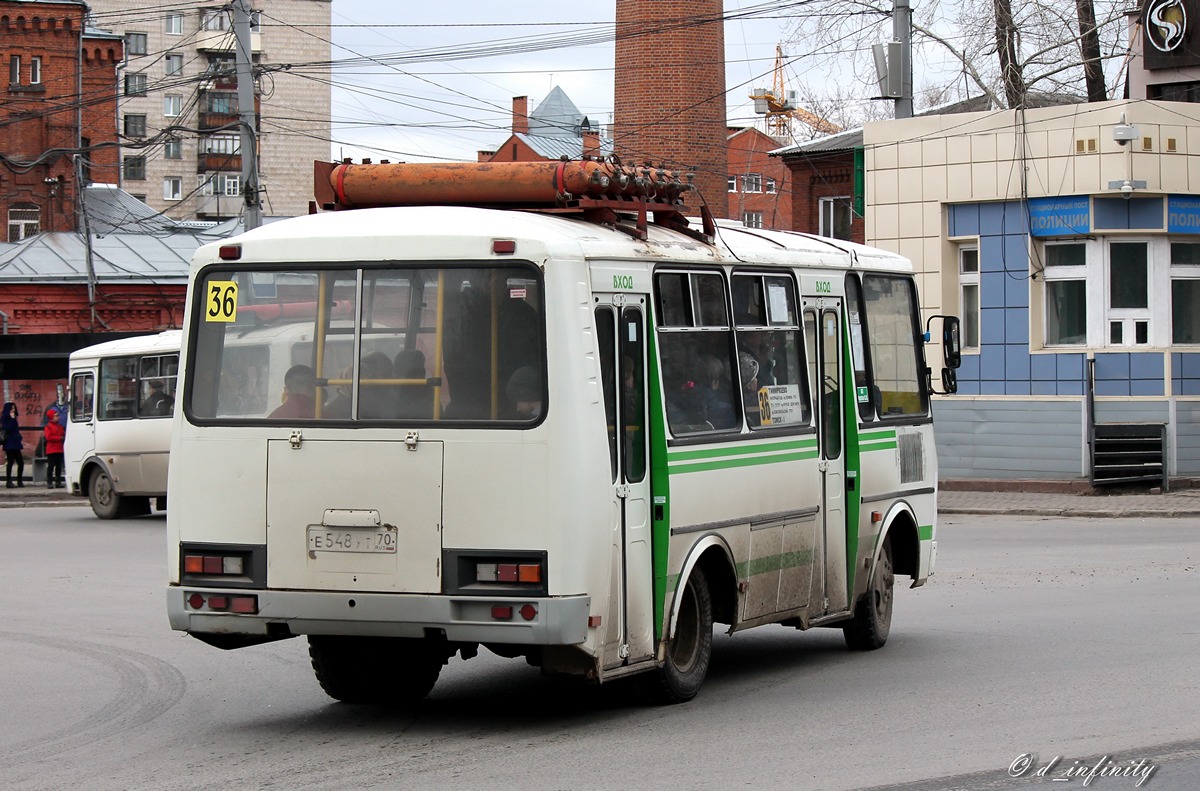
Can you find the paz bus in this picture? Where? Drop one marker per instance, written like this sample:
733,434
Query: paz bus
575,428
119,434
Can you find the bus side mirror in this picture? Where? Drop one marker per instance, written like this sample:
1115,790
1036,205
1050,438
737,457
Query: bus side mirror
951,354
951,341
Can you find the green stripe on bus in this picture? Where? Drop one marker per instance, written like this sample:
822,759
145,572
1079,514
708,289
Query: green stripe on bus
868,447
741,450
746,569
924,532
749,461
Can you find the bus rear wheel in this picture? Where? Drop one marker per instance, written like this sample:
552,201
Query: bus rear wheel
106,503
392,671
872,620
690,648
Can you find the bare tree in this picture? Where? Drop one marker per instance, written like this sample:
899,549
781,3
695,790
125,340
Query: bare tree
967,48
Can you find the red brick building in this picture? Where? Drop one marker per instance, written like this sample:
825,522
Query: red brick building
760,189
823,186
670,90
555,129
60,101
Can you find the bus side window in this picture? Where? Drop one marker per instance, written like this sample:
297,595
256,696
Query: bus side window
82,388
770,353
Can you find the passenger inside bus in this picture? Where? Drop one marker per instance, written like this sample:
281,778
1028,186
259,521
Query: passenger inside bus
299,384
159,402
524,391
715,394
749,370
376,401
413,401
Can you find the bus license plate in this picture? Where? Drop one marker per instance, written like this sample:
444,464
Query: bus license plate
344,539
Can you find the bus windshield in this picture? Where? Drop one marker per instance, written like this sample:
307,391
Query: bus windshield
434,343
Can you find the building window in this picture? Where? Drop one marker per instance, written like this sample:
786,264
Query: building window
172,105
135,84
35,70
835,217
752,219
174,64
770,185
1128,294
733,183
174,25
233,185
135,44
1185,292
173,149
23,223
968,289
221,144
752,182
172,188
135,125
1066,294
227,184
134,168
214,19
14,69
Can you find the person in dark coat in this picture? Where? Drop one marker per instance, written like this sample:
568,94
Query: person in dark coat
13,445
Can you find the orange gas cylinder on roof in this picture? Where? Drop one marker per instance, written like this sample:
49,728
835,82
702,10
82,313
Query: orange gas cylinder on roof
516,184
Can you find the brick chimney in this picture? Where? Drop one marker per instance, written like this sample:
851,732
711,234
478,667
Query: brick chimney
520,124
670,92
591,143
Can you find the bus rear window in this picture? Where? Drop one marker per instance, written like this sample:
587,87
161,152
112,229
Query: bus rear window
451,343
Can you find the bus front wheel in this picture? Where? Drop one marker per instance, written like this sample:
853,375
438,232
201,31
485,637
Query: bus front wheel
690,648
872,620
103,496
392,671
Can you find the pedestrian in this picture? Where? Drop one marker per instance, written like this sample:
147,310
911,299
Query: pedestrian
11,429
54,435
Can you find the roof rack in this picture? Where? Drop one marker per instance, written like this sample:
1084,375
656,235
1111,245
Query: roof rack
626,198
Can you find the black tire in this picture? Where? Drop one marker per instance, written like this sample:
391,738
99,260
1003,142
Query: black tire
872,620
690,648
106,503
391,671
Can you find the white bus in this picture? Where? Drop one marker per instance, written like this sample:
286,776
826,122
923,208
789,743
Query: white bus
582,442
121,402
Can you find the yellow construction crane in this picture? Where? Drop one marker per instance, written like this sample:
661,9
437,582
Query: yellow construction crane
779,106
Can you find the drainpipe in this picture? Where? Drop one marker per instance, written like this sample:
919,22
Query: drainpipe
4,324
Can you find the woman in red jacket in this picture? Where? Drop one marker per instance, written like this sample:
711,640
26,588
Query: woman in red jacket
54,434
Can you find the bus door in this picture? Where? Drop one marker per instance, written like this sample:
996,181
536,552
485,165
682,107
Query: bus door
621,333
823,333
81,436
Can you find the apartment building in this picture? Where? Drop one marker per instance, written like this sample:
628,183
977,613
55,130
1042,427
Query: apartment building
178,105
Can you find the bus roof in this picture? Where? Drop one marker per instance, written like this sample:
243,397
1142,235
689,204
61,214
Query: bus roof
166,341
416,233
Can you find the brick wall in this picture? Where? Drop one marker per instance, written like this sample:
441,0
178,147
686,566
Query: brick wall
41,123
670,90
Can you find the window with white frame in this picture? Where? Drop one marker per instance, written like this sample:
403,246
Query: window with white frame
227,184
174,24
835,217
23,223
35,70
172,188
14,69
1065,273
752,182
1185,292
215,19
221,144
1121,292
968,290
733,183
173,63
172,105
233,185
173,149
752,219
770,185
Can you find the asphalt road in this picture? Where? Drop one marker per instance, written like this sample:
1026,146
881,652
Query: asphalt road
1071,642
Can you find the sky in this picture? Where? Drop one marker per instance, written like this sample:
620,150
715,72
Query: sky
406,86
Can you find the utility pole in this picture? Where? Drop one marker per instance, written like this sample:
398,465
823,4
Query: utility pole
247,117
902,32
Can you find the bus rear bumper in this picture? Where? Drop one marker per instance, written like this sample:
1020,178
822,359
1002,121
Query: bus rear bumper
558,620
